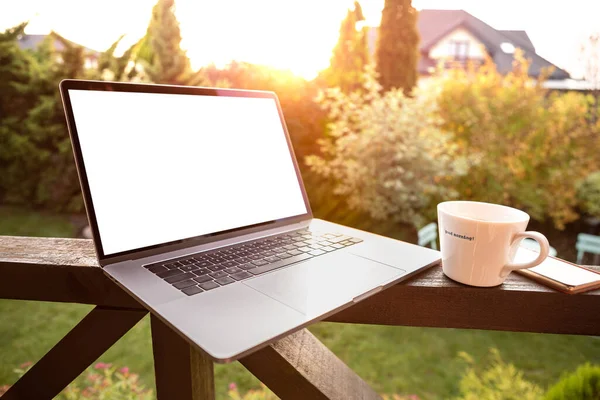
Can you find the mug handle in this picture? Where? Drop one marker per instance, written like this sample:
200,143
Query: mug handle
544,249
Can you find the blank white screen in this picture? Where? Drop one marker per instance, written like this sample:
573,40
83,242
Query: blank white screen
165,167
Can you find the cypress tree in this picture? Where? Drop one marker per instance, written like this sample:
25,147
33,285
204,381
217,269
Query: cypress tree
168,63
350,54
397,51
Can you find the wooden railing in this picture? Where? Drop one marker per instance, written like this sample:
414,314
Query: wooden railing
296,367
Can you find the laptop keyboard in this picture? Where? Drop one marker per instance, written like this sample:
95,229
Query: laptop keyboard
212,269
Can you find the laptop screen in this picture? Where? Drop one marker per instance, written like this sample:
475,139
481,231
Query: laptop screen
166,167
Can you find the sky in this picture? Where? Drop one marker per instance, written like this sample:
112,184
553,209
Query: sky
296,35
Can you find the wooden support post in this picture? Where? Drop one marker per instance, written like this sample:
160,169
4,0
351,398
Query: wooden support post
87,341
301,367
182,372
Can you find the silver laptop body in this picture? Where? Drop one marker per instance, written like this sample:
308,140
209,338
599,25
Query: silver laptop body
198,211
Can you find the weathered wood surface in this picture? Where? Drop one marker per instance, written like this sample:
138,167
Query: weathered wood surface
300,367
432,300
87,341
70,273
63,270
181,371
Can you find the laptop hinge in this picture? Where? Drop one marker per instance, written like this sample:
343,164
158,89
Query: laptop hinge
226,241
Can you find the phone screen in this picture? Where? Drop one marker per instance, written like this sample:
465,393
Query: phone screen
558,270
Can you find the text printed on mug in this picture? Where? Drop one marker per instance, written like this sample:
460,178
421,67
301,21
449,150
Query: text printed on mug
469,238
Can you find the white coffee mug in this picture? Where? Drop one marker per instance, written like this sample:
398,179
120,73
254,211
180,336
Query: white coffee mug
479,241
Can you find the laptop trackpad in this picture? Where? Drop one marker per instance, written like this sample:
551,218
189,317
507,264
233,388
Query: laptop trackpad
324,283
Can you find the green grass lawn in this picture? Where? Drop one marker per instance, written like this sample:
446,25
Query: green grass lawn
422,361
16,221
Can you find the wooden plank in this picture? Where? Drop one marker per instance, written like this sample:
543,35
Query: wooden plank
521,305
50,269
87,341
301,367
181,371
65,270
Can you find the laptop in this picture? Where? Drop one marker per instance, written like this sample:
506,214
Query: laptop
198,211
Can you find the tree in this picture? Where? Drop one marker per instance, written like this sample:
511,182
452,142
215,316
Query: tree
15,76
128,67
350,54
16,67
397,51
35,151
590,55
160,48
386,153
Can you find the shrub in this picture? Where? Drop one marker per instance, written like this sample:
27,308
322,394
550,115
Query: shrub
497,381
265,394
255,394
385,153
101,382
532,145
588,195
583,384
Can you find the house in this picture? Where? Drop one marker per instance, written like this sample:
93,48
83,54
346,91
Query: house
31,42
456,35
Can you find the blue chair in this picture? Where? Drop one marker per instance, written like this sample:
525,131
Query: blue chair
428,235
587,243
533,245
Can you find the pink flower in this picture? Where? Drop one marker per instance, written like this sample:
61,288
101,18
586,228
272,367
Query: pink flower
93,377
4,389
102,365
232,386
124,370
26,364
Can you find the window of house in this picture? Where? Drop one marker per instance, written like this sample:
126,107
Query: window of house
458,49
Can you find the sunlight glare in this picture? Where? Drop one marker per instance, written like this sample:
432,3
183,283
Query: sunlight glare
300,38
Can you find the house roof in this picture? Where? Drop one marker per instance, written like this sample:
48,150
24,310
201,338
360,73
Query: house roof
433,25
31,42
520,38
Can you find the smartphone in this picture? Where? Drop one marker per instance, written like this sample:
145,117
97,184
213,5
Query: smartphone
559,274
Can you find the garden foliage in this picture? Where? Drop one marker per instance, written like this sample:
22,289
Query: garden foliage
100,382
397,52
588,195
529,146
583,384
160,49
35,151
385,152
36,161
385,155
497,381
350,55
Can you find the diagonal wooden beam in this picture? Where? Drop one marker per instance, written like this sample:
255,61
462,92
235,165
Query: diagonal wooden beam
87,341
301,367
182,372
